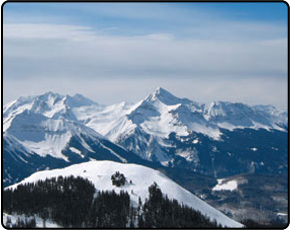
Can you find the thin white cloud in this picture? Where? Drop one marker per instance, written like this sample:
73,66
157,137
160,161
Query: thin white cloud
46,31
63,50
77,59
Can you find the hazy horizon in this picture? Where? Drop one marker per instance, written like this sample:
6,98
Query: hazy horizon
133,102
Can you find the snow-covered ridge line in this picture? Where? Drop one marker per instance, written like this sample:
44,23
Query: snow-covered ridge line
99,173
226,115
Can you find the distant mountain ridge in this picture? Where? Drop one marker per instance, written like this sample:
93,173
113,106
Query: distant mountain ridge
163,128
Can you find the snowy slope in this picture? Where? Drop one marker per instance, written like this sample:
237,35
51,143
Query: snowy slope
47,136
99,173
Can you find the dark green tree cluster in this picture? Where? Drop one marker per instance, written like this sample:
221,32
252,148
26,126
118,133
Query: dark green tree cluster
161,212
118,179
110,209
69,202
64,200
73,202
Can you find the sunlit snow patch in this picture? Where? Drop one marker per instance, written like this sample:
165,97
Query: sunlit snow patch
229,185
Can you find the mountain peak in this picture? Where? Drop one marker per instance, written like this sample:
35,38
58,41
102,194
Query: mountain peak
164,96
161,92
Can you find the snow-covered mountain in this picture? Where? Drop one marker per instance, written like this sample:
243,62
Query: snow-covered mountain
176,132
99,173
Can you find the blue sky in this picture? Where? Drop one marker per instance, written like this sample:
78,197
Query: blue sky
112,52
86,12
142,18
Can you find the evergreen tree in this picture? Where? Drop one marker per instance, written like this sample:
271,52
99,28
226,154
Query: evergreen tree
118,179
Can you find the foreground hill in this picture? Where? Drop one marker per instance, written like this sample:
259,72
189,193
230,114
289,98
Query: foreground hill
138,179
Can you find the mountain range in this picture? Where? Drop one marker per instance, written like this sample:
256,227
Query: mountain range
219,139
